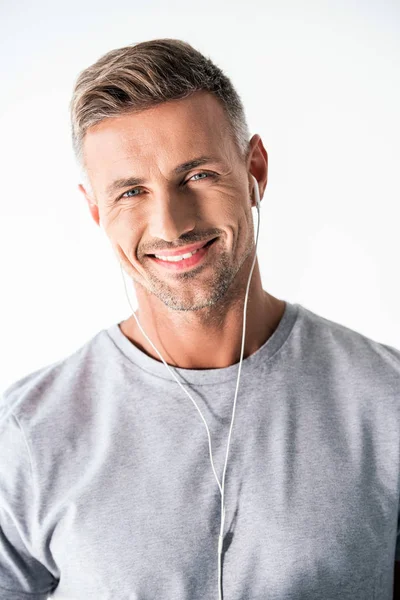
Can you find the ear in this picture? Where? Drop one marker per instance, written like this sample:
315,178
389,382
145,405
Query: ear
257,165
94,211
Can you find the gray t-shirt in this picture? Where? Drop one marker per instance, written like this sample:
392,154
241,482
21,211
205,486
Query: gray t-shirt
107,491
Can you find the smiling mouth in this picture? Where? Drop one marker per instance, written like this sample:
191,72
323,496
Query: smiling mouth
183,264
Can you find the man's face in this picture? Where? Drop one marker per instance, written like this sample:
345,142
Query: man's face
168,209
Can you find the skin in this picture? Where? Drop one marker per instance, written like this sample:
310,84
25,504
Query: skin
194,318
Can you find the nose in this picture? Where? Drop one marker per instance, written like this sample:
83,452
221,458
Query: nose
172,216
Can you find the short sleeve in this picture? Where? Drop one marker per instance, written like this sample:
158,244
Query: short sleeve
22,575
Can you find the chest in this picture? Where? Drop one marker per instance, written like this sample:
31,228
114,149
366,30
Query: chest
310,502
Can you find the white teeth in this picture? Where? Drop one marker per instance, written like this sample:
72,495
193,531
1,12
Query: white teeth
176,258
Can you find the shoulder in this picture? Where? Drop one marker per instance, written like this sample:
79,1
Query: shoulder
331,339
52,383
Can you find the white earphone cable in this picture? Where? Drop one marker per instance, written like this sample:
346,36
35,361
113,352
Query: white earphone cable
221,487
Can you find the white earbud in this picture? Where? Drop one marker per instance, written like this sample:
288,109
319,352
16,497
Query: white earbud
256,192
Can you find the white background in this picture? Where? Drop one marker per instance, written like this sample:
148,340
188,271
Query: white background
320,84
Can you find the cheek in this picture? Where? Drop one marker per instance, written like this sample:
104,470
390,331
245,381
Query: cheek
129,265
124,243
124,237
243,232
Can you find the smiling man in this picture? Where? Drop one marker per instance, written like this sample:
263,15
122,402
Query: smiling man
167,181
113,459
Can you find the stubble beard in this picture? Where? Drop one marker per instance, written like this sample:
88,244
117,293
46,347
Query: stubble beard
209,291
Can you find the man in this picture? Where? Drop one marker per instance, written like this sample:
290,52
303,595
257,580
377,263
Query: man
106,485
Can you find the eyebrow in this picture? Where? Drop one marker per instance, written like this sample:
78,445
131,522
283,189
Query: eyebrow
118,184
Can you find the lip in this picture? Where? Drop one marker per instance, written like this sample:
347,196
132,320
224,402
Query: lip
182,249
186,263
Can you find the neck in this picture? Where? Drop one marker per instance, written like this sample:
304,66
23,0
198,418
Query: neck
209,338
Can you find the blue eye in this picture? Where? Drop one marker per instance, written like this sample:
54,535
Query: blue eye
132,190
196,174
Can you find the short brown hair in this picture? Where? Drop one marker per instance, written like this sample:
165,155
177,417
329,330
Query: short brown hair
139,76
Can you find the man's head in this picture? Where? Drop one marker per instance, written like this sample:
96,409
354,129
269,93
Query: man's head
140,113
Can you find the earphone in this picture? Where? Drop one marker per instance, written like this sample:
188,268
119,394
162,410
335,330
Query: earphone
220,486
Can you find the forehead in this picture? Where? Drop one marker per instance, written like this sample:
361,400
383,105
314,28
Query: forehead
158,138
